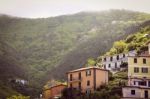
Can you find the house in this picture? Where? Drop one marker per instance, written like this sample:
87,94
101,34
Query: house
134,92
114,63
19,81
87,79
54,91
138,76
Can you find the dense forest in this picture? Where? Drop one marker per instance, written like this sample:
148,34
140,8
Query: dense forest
37,49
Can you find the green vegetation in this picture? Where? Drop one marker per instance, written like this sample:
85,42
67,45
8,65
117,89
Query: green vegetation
105,33
18,97
6,90
91,62
135,41
45,48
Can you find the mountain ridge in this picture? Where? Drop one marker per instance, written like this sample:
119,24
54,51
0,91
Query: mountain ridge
44,46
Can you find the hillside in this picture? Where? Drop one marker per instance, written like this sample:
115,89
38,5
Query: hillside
97,45
137,41
92,49
46,46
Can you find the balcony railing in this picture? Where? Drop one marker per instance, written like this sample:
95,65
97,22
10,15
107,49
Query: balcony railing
75,80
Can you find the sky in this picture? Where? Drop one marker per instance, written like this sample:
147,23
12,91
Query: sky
48,8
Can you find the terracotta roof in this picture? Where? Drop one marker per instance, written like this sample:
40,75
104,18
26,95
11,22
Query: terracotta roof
92,67
55,86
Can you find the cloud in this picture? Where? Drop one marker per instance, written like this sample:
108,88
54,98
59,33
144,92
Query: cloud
46,8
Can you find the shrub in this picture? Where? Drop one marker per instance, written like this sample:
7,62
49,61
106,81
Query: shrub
18,97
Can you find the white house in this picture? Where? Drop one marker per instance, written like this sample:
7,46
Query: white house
113,63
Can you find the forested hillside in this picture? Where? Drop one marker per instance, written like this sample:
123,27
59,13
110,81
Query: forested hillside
100,43
136,41
48,47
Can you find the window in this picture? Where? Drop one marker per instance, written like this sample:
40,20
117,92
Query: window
148,83
136,69
70,77
111,58
123,55
132,92
117,57
143,83
144,61
144,70
134,83
104,66
88,72
79,85
109,65
80,76
135,60
115,65
104,59
88,83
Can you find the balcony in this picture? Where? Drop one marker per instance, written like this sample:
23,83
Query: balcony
115,69
143,83
74,80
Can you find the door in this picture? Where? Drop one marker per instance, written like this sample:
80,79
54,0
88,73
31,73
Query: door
148,83
146,94
80,76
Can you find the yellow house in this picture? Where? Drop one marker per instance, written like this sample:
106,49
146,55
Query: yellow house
87,79
139,66
138,76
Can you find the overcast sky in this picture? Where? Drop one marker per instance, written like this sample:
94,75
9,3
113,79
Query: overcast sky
47,8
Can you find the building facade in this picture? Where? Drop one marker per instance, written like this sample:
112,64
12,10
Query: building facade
54,91
134,92
138,76
114,63
87,79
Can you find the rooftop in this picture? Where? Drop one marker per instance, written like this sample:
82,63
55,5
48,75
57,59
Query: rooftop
61,84
86,68
142,54
130,52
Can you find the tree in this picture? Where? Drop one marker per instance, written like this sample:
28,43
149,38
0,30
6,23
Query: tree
120,46
91,62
